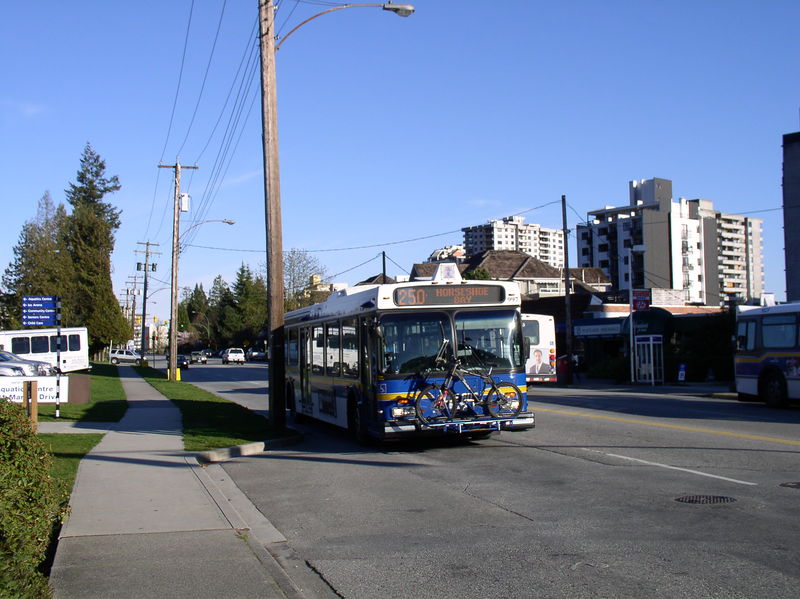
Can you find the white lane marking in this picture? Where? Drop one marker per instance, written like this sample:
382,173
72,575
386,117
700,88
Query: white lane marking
667,466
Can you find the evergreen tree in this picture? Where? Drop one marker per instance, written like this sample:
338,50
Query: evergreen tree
41,264
250,295
223,312
89,236
478,274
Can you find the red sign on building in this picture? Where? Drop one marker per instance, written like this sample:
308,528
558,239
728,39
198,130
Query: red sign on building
641,299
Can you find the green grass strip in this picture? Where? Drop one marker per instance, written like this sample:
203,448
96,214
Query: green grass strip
210,422
107,402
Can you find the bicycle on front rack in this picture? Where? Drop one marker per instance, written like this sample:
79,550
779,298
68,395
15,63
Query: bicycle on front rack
441,403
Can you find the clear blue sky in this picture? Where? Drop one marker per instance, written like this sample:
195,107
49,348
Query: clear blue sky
393,129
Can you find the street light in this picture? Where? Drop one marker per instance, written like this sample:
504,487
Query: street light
226,221
639,249
272,194
401,10
172,367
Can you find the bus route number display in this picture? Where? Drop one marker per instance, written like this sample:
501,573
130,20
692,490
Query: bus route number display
435,295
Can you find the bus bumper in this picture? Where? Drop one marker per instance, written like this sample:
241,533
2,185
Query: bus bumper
396,429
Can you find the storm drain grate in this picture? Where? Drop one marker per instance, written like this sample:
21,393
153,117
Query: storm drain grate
791,485
705,499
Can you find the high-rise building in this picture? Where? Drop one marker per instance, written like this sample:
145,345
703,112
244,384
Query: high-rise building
511,233
791,214
710,256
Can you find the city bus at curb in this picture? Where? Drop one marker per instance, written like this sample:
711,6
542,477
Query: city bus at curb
767,361
359,359
42,345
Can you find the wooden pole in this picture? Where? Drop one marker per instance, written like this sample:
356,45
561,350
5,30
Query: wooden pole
272,202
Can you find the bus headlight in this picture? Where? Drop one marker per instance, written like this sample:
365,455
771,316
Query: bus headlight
403,412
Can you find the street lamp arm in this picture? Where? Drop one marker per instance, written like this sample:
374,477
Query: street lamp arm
402,10
227,221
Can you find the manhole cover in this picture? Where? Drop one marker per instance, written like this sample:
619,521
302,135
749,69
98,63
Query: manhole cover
791,485
705,499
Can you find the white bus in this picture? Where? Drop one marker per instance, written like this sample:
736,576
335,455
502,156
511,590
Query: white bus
42,345
767,360
539,339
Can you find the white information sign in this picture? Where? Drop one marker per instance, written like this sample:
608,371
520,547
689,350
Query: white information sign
11,387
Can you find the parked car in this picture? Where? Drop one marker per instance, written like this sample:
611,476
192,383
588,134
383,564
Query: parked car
11,370
183,361
123,356
233,354
28,367
198,357
255,355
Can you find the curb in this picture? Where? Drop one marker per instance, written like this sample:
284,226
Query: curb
228,453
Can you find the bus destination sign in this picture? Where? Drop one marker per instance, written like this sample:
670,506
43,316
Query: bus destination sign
445,295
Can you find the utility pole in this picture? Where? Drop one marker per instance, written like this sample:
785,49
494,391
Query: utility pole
133,280
272,212
147,269
567,306
173,308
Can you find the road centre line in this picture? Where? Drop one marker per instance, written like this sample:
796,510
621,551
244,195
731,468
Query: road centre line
667,466
679,427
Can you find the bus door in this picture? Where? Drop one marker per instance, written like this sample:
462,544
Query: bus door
368,348
306,405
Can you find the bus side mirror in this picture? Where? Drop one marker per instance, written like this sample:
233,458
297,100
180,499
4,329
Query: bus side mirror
379,331
526,347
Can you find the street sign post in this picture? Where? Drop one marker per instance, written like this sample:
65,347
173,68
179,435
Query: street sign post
45,311
40,311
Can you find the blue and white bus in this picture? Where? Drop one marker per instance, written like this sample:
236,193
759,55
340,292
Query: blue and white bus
767,362
359,359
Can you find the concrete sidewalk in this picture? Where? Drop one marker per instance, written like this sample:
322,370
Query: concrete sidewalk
147,521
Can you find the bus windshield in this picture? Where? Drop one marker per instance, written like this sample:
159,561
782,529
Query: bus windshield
489,338
411,341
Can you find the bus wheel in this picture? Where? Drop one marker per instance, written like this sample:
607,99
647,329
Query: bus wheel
773,390
355,422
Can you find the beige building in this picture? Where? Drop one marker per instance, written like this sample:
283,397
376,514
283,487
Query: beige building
512,234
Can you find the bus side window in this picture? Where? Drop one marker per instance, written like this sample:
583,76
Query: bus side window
20,345
332,361
40,345
54,343
779,331
74,343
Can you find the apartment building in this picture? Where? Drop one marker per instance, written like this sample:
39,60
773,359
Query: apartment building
511,233
709,256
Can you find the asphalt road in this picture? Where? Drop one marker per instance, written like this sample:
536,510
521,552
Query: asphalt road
612,495
246,384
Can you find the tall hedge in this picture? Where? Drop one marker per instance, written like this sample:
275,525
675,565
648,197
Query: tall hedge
30,503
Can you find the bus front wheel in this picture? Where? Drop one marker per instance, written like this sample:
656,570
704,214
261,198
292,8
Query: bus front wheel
773,390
